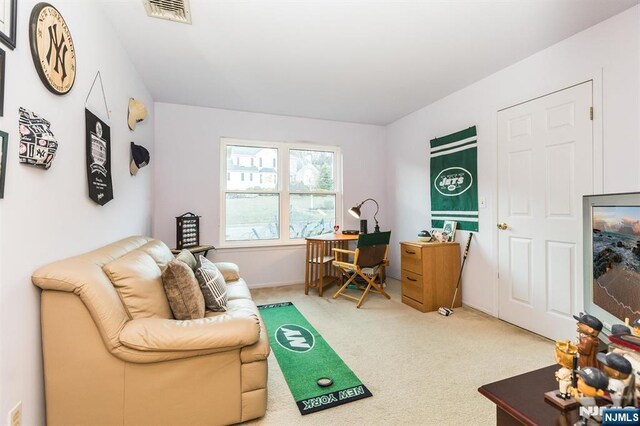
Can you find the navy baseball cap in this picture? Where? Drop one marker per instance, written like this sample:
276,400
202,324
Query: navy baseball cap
615,362
594,378
589,320
619,329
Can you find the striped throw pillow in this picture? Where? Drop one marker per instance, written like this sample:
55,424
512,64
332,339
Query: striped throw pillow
212,284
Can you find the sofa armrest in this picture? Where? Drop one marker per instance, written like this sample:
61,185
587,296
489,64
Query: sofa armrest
227,331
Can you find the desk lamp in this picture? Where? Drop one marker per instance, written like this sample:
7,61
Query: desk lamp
355,212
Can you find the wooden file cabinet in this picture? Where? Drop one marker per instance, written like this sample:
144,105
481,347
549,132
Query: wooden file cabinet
430,274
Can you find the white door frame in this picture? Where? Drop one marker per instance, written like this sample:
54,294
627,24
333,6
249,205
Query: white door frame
596,77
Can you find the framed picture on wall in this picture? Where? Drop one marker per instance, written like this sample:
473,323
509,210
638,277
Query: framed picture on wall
449,229
9,14
2,71
4,141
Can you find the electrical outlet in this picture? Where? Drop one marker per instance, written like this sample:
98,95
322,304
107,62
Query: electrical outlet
483,202
15,415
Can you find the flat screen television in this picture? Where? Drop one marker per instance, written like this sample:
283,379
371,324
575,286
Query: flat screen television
611,224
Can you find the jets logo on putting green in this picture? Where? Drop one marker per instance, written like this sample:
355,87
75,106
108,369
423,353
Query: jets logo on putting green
295,338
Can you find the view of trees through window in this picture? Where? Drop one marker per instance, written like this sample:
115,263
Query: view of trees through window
254,198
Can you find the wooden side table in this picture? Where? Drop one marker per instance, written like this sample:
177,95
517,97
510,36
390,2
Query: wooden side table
520,400
429,275
319,270
196,250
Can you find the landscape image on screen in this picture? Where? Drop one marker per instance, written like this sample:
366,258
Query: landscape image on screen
616,260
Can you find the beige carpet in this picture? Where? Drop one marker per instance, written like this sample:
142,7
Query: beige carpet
423,369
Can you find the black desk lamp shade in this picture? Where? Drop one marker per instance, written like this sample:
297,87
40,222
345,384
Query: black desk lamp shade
355,212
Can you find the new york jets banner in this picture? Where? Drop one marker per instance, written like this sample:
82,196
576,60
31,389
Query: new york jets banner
454,183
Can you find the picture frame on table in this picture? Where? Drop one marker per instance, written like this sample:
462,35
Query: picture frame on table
449,228
9,10
4,142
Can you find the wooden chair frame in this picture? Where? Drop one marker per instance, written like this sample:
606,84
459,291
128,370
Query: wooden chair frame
354,270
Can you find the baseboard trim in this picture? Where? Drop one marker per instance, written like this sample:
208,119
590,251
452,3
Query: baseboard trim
268,285
478,308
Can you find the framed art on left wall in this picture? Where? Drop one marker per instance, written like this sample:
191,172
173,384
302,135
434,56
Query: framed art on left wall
8,17
2,72
4,141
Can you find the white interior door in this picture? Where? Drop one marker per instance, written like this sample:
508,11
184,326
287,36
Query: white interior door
545,166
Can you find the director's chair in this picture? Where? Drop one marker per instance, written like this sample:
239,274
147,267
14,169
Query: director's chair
369,258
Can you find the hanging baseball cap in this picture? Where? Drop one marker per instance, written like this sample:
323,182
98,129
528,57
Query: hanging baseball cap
137,112
139,158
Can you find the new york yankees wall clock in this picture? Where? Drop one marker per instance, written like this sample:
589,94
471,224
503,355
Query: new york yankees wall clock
52,49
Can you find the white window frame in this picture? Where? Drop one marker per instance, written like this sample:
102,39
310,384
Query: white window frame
282,188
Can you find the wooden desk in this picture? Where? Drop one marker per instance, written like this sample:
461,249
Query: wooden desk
196,250
319,270
520,399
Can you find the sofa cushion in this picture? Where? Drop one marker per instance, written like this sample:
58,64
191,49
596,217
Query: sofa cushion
187,257
229,271
137,279
183,292
212,284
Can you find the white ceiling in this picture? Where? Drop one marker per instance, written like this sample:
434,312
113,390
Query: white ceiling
360,61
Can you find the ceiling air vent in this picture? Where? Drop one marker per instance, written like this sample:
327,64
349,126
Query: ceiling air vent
173,10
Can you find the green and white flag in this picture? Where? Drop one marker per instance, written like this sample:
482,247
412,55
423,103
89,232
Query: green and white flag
454,182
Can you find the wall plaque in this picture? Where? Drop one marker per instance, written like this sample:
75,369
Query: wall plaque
52,49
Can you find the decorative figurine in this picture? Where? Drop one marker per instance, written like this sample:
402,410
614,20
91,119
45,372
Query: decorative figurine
618,368
588,329
620,330
565,353
591,383
636,327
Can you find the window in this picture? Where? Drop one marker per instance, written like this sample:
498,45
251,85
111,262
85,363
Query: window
299,196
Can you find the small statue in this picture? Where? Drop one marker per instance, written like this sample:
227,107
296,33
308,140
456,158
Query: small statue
618,368
588,329
636,327
565,353
591,383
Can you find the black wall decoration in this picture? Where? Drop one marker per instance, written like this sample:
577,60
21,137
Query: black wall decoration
2,68
98,136
8,23
52,48
38,145
4,141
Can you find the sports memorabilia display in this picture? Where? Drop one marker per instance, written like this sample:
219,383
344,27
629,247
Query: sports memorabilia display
98,141
454,179
38,145
52,49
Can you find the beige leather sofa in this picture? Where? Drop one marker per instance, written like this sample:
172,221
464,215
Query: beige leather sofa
114,355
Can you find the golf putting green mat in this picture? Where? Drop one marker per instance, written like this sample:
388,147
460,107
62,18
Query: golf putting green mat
304,357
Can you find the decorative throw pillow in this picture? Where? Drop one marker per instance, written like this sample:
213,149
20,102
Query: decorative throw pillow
187,257
183,292
212,284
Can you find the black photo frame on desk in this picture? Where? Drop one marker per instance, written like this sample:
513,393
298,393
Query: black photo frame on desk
8,28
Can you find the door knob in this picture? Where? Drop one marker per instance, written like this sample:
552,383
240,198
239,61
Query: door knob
502,226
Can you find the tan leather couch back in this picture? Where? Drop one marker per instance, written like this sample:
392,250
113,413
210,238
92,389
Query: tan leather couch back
87,276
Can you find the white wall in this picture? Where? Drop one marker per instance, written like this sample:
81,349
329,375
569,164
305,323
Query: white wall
187,177
47,215
608,53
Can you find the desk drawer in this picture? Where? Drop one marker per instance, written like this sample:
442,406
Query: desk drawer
411,258
412,286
